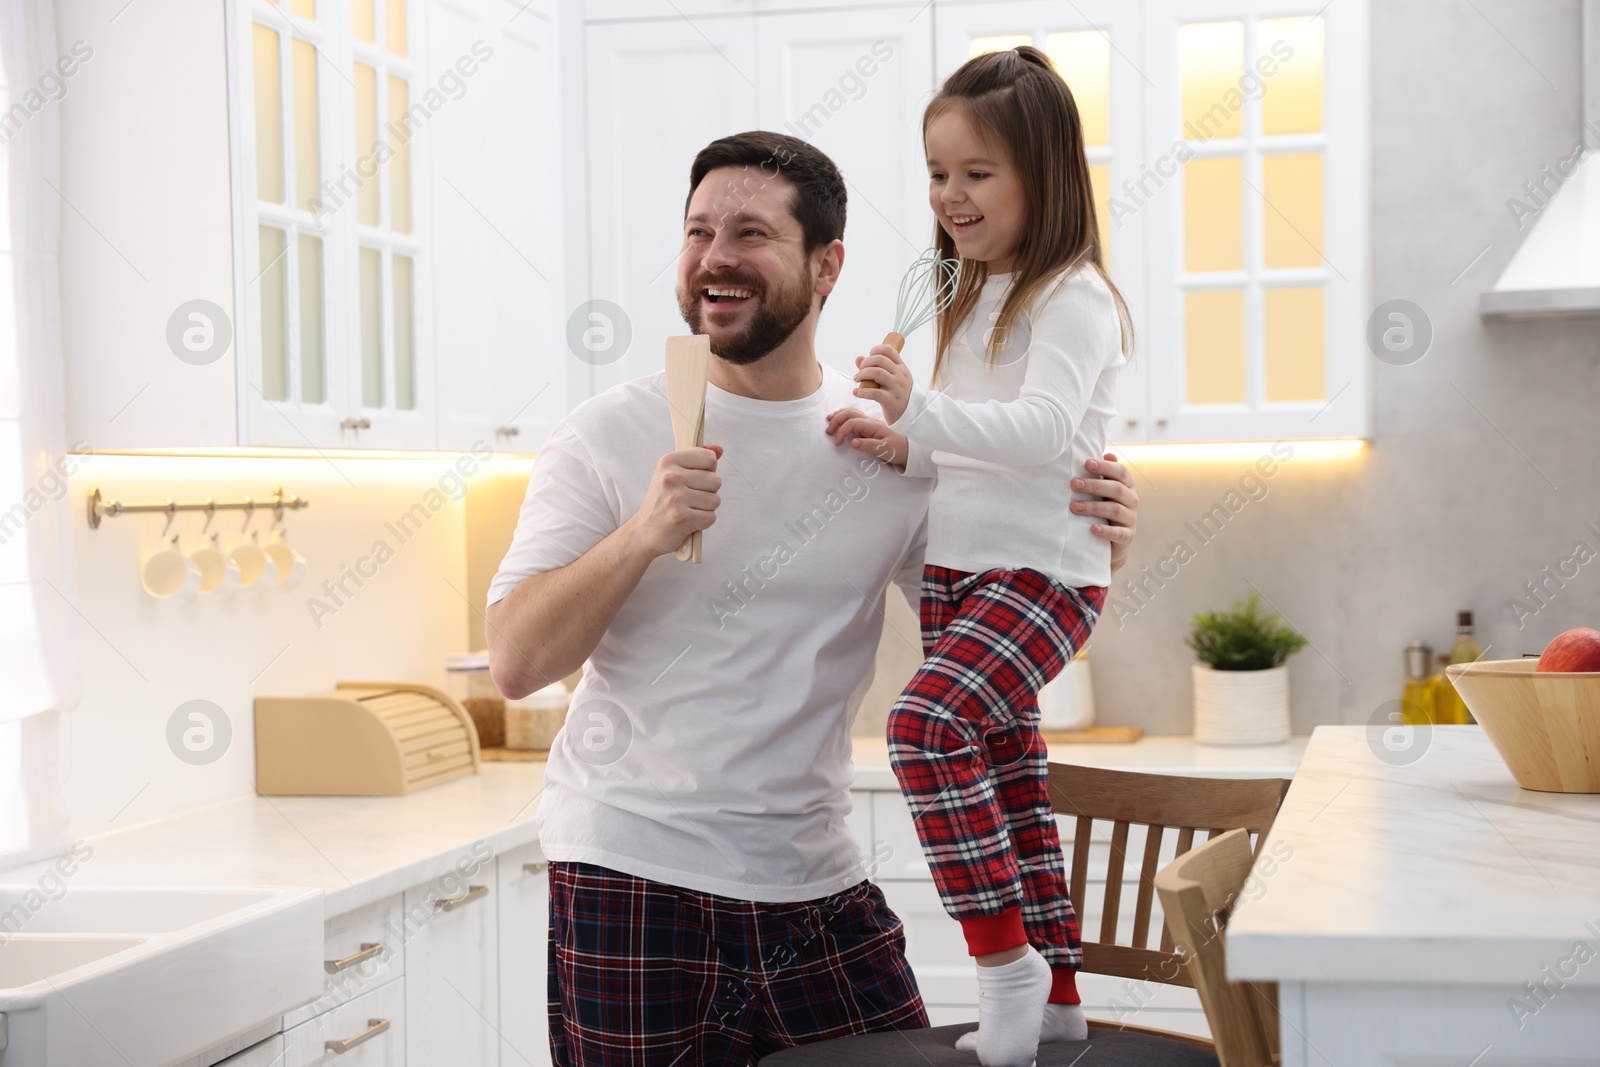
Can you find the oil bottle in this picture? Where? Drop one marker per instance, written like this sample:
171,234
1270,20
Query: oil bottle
1416,702
1450,709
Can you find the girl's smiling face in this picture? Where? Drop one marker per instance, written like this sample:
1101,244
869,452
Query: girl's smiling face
974,190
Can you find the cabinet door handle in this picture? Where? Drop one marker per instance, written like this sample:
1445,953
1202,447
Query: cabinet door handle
369,949
374,1028
508,431
356,424
473,893
535,868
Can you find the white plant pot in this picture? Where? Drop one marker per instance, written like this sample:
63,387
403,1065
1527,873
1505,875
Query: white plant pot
1067,700
1241,707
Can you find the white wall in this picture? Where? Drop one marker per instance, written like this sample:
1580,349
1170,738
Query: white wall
143,657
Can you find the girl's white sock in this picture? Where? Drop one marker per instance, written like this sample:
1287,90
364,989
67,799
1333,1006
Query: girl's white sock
1011,1002
1062,1022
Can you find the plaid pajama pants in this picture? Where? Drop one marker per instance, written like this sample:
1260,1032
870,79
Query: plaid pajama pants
964,743
644,974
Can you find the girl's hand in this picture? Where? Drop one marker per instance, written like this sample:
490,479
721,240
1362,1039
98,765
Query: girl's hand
884,377
1110,480
865,434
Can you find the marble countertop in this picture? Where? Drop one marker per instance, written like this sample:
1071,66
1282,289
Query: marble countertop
1153,755
361,849
1436,870
355,849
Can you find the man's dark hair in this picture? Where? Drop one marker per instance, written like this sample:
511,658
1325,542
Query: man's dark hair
818,203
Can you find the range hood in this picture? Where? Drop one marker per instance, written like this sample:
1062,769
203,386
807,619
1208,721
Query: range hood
1556,271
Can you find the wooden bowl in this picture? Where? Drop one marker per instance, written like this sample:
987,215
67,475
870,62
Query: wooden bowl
1546,726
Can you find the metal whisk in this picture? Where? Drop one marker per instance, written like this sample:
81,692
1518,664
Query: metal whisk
927,289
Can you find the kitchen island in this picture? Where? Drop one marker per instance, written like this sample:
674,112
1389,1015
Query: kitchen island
1429,910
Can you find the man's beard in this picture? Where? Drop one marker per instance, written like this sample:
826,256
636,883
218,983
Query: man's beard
771,324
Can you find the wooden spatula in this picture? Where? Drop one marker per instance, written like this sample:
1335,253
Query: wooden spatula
688,363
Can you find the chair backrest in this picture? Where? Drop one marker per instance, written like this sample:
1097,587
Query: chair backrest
1158,802
1198,891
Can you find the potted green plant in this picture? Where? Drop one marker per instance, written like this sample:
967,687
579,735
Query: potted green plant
1241,682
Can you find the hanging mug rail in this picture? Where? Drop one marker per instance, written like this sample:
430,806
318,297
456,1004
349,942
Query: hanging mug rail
99,506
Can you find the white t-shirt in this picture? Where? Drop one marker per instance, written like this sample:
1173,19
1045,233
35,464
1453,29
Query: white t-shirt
708,745
1007,437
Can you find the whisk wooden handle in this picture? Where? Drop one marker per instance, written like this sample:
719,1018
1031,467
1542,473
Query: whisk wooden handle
895,341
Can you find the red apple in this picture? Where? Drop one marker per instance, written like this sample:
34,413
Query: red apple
1575,650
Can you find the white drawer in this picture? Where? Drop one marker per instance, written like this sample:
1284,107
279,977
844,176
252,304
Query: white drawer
380,1013
268,1053
347,939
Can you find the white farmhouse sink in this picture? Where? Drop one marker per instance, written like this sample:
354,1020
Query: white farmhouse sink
149,976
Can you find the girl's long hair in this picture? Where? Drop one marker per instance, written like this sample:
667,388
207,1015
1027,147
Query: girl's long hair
1016,100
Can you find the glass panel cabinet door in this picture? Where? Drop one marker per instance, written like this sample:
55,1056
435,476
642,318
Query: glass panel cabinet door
1257,274
284,233
331,260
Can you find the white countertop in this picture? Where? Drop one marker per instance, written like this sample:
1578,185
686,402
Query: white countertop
1153,755
362,849
1440,870
356,849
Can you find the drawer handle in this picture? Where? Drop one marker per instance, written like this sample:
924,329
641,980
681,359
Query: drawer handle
508,431
369,949
374,1028
473,893
535,868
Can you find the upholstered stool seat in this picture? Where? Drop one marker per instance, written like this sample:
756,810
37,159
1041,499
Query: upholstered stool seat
937,1048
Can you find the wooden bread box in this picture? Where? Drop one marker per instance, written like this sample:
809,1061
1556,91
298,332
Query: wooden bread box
362,739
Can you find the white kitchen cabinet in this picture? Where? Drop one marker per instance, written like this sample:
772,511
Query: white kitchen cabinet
1257,297
452,1003
146,223
312,293
268,1053
332,238
361,950
523,905
502,363
658,92
369,1031
854,83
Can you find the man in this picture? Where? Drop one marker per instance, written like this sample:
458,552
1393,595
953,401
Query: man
708,905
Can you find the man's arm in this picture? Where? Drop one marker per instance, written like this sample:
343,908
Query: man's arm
548,624
1110,480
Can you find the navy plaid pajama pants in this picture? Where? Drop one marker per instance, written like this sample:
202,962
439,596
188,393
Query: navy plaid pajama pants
644,974
964,743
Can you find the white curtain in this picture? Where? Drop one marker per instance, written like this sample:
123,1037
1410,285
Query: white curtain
40,657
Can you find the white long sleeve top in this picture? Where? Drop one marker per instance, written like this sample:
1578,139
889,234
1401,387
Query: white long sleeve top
1004,439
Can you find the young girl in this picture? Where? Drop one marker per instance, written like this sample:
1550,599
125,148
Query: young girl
1028,355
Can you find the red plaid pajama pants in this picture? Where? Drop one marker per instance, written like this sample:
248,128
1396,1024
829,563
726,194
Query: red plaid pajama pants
964,743
644,974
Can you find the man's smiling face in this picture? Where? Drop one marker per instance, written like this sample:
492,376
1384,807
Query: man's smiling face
744,278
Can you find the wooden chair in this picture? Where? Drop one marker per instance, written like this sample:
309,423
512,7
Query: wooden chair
1198,891
1158,802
